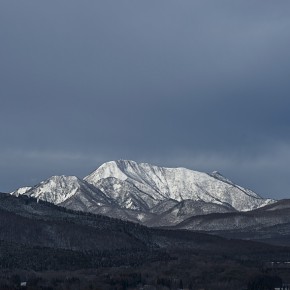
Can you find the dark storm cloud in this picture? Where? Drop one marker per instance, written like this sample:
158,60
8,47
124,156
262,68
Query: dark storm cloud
201,84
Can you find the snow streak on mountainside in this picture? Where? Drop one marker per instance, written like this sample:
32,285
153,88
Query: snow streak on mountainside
156,184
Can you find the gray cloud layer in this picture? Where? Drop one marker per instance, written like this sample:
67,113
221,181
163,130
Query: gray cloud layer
200,84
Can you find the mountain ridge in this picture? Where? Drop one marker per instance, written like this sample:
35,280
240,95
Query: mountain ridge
145,193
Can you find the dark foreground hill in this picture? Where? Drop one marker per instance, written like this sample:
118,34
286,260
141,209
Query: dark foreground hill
39,236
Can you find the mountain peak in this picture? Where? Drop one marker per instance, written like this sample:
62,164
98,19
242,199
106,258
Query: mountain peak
217,175
56,189
215,172
21,191
108,169
156,184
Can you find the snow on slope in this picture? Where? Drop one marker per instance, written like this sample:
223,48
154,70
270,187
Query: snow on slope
159,183
21,190
125,194
57,189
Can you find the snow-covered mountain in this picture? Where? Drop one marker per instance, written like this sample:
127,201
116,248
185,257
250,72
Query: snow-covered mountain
21,190
152,195
155,184
58,189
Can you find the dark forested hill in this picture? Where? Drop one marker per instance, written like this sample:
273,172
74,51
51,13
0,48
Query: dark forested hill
39,236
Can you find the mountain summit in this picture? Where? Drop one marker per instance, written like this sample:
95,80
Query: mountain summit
155,184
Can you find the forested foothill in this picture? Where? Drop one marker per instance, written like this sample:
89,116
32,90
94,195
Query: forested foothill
50,247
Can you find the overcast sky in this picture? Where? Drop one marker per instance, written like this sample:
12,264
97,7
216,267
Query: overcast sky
197,84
